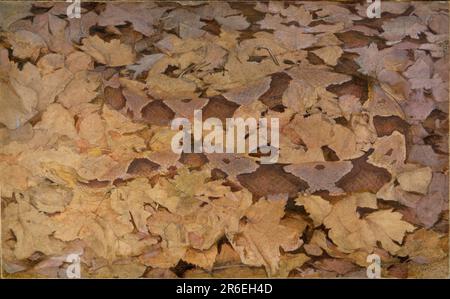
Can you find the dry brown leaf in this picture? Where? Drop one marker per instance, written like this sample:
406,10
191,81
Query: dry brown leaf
178,195
26,44
249,93
400,27
351,233
308,85
316,206
329,55
389,152
424,247
317,131
202,258
143,16
415,180
112,53
31,228
294,37
258,241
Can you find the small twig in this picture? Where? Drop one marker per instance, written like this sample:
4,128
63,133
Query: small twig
201,65
270,53
189,68
193,67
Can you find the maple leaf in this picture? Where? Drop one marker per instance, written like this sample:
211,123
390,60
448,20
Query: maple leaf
178,195
130,200
112,53
374,61
298,14
239,73
316,206
422,76
28,92
259,240
400,27
53,30
185,22
291,12
90,217
316,131
389,152
84,81
308,85
332,13
294,37
32,229
143,16
26,44
198,230
351,233
272,22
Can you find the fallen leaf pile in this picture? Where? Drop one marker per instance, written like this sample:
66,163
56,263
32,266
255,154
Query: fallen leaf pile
86,165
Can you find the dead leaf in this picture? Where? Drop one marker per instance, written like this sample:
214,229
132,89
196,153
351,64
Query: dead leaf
258,240
112,53
351,233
